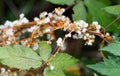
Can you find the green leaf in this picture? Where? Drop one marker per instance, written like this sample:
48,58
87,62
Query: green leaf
106,2
26,7
44,50
63,60
48,72
109,67
113,9
113,48
20,57
62,2
79,12
95,8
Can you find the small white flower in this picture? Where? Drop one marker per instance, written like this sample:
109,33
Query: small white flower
64,47
48,36
53,21
47,20
49,42
47,30
21,15
98,31
3,70
15,74
90,42
35,47
68,35
31,28
87,34
75,36
59,42
23,20
50,15
9,32
98,27
10,38
43,14
84,30
52,67
85,37
94,23
24,42
107,34
59,11
36,19
8,23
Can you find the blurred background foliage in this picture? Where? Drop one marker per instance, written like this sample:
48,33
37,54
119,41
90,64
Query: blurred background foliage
10,10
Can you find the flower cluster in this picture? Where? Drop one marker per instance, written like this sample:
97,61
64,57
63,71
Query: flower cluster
8,72
47,23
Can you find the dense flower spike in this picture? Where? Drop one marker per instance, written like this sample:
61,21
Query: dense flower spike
12,32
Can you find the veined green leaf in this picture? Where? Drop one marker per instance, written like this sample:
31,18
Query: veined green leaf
113,9
113,48
48,72
44,50
79,12
20,57
63,60
109,67
62,2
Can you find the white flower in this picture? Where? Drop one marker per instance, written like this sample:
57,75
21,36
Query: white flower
9,32
84,30
52,67
75,36
36,19
35,47
50,15
64,47
48,36
47,20
68,35
59,42
21,15
95,23
59,11
15,74
107,34
24,42
98,27
23,20
47,30
89,42
7,23
85,37
31,28
43,14
97,31
3,70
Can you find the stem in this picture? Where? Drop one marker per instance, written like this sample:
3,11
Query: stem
101,45
112,22
98,34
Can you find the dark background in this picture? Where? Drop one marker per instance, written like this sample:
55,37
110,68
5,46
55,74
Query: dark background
10,9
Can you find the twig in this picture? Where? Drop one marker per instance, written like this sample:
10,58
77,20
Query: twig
113,22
